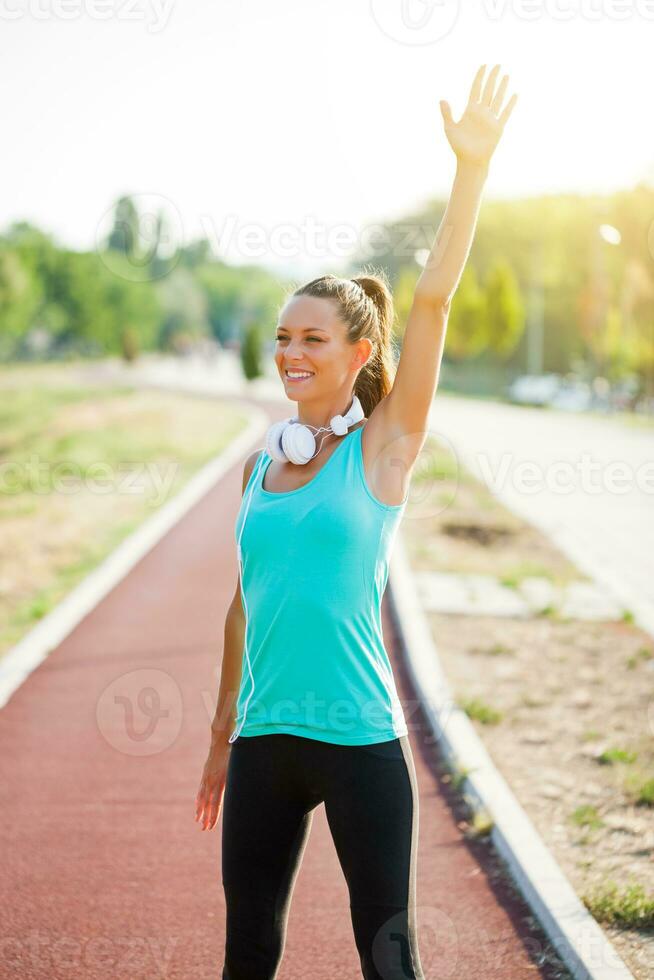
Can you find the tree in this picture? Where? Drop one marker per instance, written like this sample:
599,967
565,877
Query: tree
467,331
184,306
403,292
505,315
19,297
251,351
238,295
124,235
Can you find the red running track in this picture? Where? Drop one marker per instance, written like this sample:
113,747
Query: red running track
105,873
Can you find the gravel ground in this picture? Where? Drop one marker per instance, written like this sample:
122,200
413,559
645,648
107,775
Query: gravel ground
565,691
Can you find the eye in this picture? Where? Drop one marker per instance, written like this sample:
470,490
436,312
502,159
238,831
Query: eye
318,340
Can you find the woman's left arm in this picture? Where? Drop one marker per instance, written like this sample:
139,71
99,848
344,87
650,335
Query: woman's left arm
473,138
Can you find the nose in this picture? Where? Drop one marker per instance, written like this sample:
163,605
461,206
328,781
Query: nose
291,355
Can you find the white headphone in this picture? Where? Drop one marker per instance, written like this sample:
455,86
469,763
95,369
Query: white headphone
290,440
286,441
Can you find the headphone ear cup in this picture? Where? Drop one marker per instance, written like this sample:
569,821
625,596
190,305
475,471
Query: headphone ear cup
298,443
274,440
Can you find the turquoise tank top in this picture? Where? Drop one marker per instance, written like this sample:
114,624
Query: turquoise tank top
314,567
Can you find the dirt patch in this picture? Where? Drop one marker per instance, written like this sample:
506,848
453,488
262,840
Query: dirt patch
458,526
477,533
569,705
567,697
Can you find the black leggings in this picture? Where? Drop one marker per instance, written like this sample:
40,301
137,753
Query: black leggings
370,793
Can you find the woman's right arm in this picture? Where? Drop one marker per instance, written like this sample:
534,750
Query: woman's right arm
212,784
230,676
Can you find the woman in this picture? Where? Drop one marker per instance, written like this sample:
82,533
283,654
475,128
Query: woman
326,725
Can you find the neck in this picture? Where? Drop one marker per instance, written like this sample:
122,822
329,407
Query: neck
319,416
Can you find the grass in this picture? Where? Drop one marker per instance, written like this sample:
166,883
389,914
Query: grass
496,650
587,816
610,756
459,776
533,701
638,786
86,466
630,907
482,823
437,463
645,795
641,656
34,608
513,577
479,711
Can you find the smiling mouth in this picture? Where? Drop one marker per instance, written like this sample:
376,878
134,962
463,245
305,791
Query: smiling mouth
302,377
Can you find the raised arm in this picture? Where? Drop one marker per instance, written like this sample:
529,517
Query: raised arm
473,139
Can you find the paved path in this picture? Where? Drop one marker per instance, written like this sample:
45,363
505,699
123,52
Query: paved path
106,874
589,486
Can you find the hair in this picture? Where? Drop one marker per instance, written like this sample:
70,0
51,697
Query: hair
365,305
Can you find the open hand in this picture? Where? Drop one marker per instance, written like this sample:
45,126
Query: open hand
475,136
209,799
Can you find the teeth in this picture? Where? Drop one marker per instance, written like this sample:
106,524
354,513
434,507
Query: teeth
299,374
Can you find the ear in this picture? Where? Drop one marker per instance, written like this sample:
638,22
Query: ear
364,350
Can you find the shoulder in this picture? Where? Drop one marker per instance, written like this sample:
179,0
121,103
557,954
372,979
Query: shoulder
249,466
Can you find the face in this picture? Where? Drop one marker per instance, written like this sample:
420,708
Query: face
310,338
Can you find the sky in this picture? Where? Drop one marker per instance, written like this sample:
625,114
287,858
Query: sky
284,131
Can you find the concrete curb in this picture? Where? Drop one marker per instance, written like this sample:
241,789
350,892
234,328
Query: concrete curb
572,930
19,662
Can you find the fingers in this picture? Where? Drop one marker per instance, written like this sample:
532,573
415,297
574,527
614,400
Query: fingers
475,91
201,803
446,113
499,96
486,97
214,810
509,108
489,87
207,810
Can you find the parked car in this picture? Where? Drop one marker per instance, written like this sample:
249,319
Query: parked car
573,396
534,389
